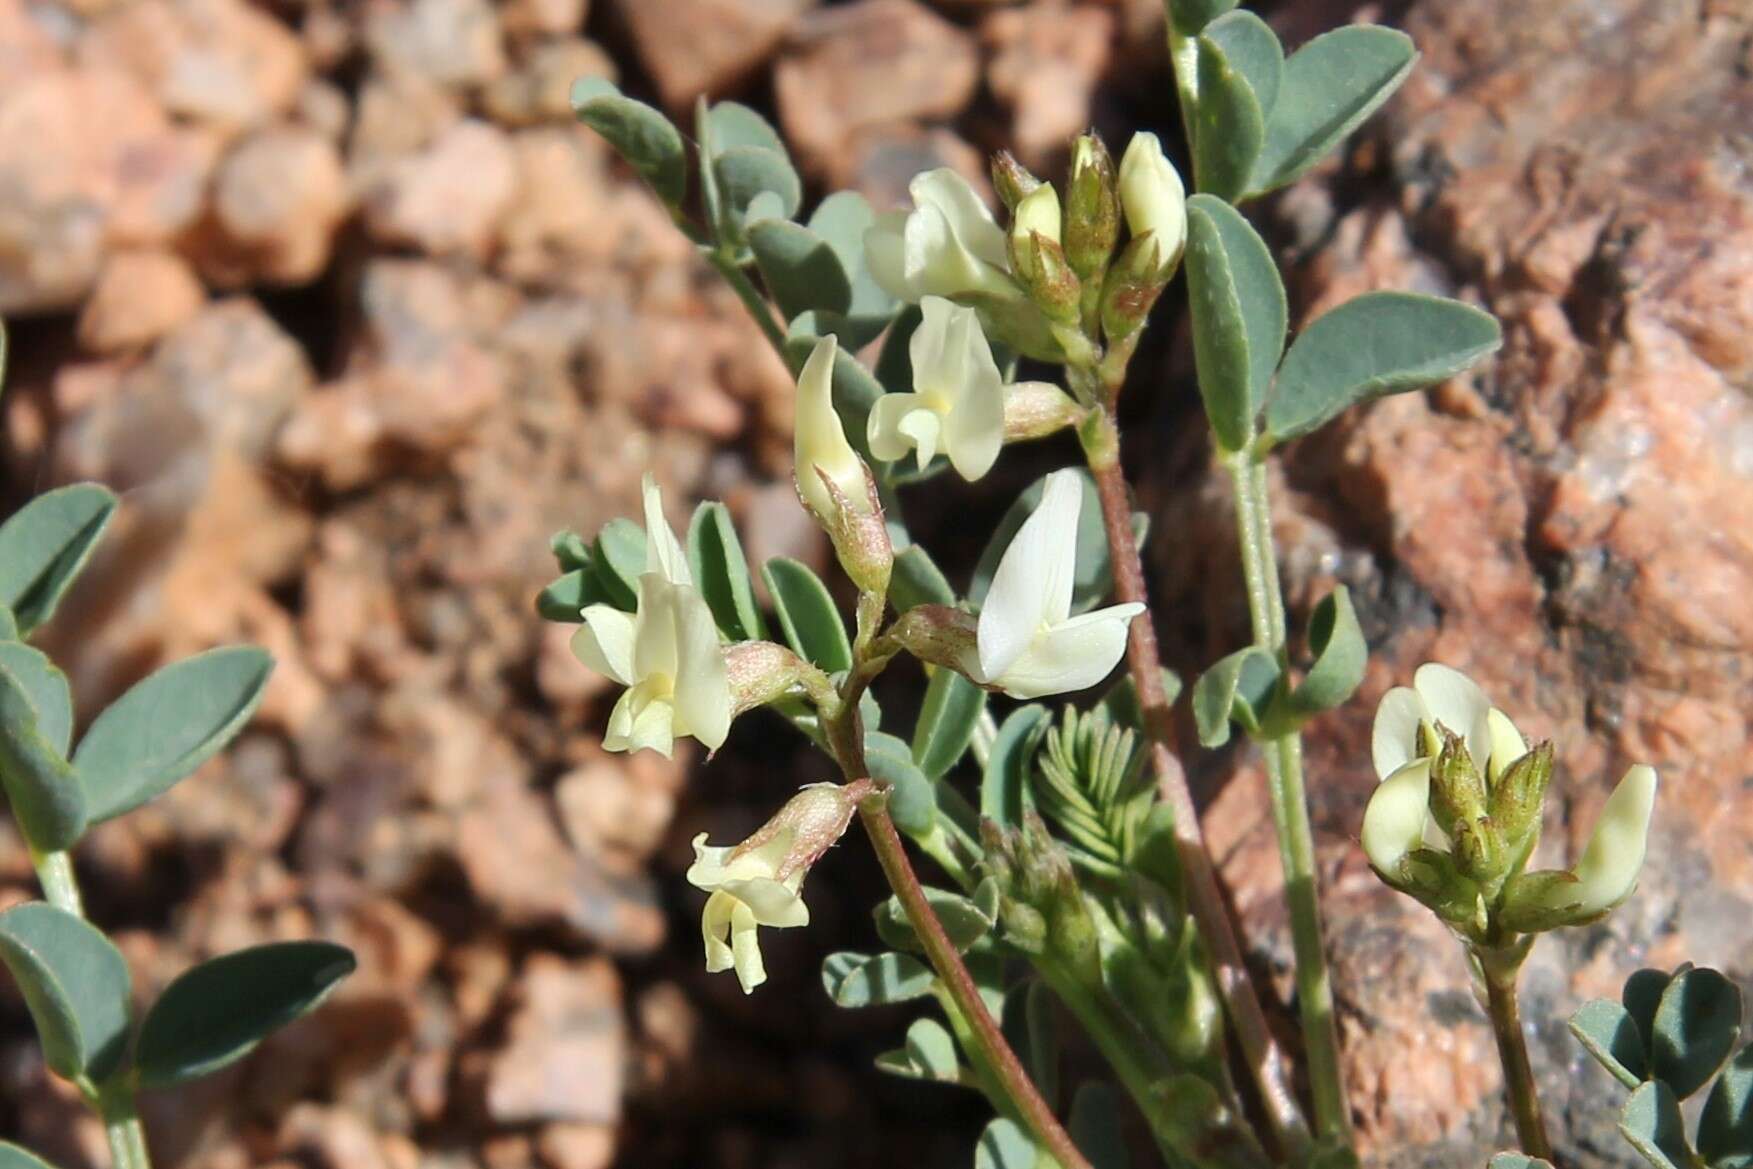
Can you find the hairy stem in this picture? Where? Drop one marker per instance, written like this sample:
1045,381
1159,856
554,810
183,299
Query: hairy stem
1290,807
1512,1049
1265,1059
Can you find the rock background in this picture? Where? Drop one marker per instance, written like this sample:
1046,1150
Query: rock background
353,316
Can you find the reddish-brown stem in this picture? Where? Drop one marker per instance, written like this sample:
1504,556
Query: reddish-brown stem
1265,1058
1006,1067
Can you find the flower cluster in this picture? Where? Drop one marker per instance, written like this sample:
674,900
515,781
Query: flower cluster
1457,815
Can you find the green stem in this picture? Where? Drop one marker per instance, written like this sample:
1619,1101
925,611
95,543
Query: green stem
1512,1050
1290,807
750,296
60,886
1101,442
122,1125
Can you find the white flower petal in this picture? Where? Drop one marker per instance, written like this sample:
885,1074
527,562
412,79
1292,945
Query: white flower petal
885,255
1607,871
1507,744
663,552
922,428
1031,588
888,441
1457,702
1394,738
1395,820
1073,655
966,213
641,721
773,903
654,628
605,642
703,701
821,445
974,430
715,931
928,350
745,946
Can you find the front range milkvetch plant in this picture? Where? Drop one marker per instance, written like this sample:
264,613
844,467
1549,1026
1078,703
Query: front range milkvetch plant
73,979
1069,876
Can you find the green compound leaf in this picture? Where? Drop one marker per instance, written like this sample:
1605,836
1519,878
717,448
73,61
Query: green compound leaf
1251,48
1330,86
1229,125
216,1013
1093,581
564,601
807,614
1096,1126
1238,687
1005,790
1652,1123
930,1054
11,1156
1608,1032
715,557
1191,16
799,268
617,559
46,797
913,802
1642,994
1341,655
44,546
732,124
1239,316
965,921
167,725
917,580
841,219
1376,344
745,172
1695,1027
641,135
570,550
1725,1127
46,687
873,980
1004,1145
76,986
951,710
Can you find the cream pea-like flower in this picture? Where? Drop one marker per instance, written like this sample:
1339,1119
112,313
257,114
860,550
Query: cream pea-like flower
666,653
948,245
1607,871
760,881
1027,644
957,403
820,448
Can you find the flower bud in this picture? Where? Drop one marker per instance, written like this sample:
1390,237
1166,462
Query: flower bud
1092,208
760,672
1033,873
1154,199
1037,409
833,481
1038,261
1011,179
1131,290
1457,790
1518,795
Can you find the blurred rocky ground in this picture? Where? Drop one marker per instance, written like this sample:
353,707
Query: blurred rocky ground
353,316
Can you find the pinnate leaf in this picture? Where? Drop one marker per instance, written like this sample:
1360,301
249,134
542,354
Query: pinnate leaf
870,980
46,797
1238,313
76,986
946,723
216,1013
45,544
167,725
715,556
1652,1123
1695,1028
1238,687
1341,655
807,615
643,136
1229,125
1607,1031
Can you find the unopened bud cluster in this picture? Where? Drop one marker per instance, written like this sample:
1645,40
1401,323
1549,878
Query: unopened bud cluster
1458,815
